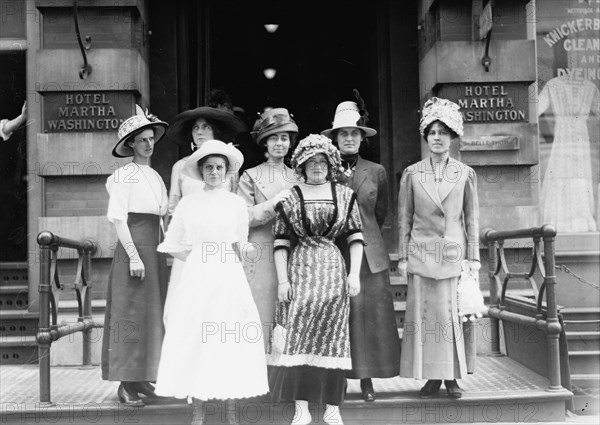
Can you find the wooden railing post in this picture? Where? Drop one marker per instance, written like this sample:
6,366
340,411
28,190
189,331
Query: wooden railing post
43,336
553,326
493,284
87,302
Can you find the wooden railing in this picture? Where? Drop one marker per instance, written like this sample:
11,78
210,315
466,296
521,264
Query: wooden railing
546,318
50,289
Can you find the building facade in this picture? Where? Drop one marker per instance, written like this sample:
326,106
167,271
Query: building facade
524,73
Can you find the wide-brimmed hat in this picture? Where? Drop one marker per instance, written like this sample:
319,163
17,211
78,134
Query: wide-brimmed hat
133,125
444,110
347,114
180,129
213,147
273,121
312,145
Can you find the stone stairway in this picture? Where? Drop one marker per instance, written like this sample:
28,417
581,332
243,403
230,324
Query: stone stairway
582,328
17,326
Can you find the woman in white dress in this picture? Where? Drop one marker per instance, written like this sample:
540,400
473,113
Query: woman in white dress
194,127
213,347
137,284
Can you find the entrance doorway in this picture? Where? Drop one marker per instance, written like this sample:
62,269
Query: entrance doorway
13,161
320,52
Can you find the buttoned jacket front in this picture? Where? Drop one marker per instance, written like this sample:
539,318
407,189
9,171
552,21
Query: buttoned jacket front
438,224
370,185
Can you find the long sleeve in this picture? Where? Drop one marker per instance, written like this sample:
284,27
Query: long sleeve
381,206
175,189
175,236
258,214
242,224
406,209
471,216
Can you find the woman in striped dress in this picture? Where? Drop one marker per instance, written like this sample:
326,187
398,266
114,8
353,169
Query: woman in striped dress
310,348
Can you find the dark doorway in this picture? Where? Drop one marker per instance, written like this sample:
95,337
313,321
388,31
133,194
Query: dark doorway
321,51
13,161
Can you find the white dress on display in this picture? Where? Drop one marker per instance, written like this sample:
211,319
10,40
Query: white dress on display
213,346
567,190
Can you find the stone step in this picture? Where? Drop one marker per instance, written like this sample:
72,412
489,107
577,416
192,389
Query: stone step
585,380
578,319
583,340
14,297
18,323
18,350
530,406
13,273
584,362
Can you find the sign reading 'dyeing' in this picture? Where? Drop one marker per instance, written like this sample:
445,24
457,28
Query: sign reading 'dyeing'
68,112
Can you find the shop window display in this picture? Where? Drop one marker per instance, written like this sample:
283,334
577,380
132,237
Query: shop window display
569,109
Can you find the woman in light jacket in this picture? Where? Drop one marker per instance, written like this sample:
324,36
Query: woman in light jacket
263,188
439,227
374,342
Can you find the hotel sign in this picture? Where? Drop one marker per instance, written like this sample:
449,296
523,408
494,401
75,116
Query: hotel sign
68,112
489,102
489,143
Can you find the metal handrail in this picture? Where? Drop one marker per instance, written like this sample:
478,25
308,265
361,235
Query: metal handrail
546,319
50,288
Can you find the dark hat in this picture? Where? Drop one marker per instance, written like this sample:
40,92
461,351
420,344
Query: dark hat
180,129
133,125
274,121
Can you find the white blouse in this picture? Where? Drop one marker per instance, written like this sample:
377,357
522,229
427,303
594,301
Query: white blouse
135,188
209,217
182,185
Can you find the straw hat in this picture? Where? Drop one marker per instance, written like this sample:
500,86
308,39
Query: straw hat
444,110
180,129
347,114
274,121
213,147
132,125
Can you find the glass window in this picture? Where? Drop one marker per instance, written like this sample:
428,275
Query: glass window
568,59
12,18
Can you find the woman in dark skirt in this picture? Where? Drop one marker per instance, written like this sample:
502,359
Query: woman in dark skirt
310,345
137,286
374,341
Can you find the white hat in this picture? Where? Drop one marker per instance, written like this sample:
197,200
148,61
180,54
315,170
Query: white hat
132,125
347,114
213,147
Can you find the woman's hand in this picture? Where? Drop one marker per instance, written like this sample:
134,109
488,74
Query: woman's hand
284,292
402,268
353,285
136,268
281,196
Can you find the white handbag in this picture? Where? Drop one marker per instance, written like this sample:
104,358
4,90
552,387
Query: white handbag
470,298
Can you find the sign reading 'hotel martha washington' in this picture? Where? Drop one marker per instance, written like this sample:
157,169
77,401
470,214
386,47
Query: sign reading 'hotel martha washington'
88,111
489,103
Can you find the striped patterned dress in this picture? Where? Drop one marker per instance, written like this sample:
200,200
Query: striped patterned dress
310,347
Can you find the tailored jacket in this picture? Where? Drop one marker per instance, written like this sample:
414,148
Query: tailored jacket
370,185
438,225
258,185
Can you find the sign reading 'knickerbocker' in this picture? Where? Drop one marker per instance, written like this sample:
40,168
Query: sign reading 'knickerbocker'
68,112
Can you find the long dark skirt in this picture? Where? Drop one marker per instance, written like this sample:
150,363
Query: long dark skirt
374,341
313,384
133,323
